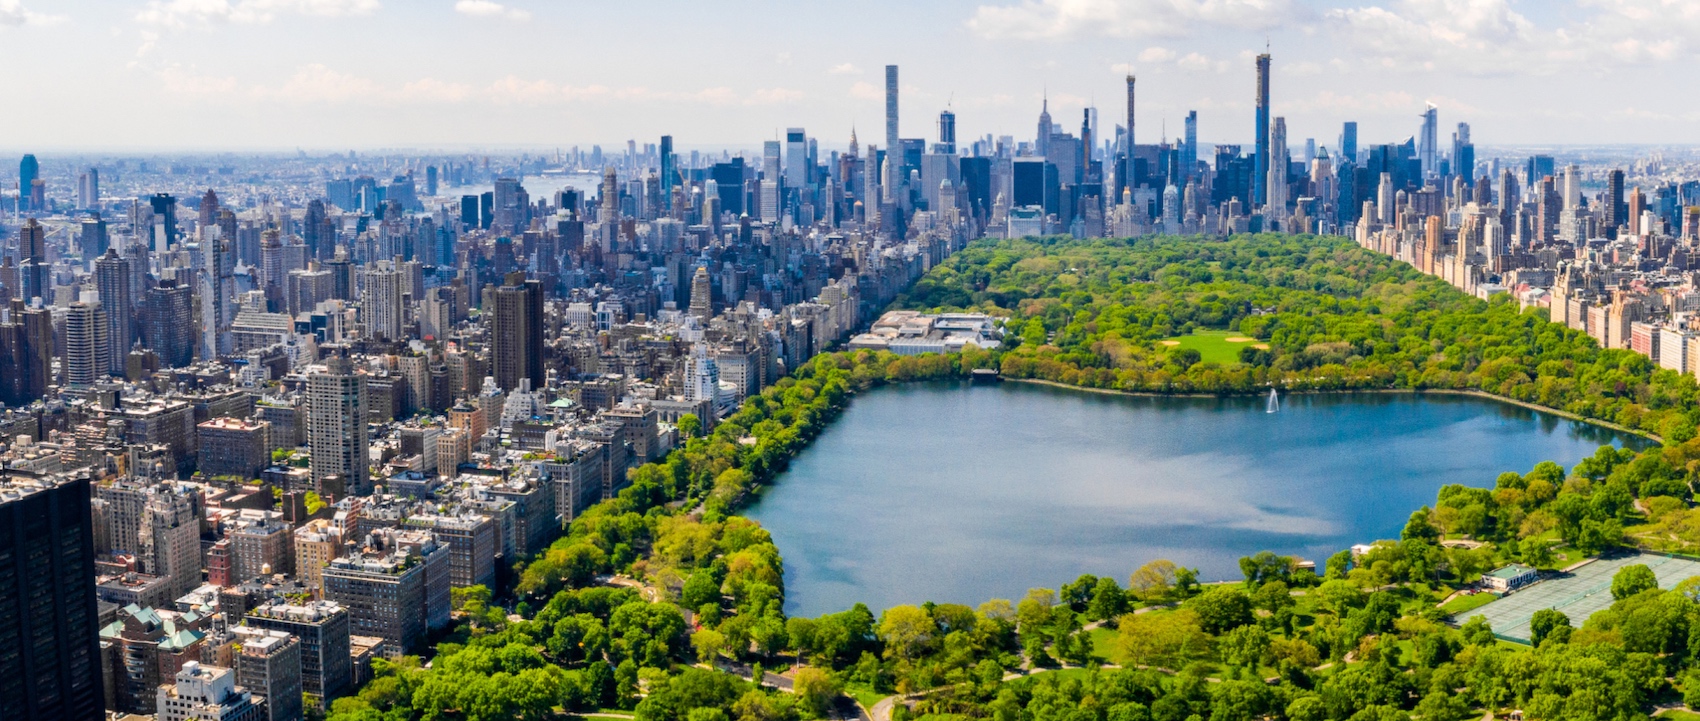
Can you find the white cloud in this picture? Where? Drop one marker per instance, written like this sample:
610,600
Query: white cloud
845,69
1060,19
1156,55
316,83
181,81
185,13
1489,37
488,9
13,14
865,90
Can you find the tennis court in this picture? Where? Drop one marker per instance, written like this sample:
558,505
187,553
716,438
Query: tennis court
1577,594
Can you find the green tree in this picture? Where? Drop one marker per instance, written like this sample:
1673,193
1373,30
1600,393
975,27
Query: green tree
1631,580
1221,609
906,631
815,690
690,426
1549,623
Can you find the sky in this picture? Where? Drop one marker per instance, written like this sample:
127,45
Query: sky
209,75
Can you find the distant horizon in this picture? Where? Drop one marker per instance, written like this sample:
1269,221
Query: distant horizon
146,75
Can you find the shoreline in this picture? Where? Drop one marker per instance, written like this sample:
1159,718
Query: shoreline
1414,391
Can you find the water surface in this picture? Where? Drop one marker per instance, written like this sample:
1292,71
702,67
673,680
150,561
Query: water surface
952,493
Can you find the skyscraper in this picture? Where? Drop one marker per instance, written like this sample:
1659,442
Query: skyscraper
1260,173
1130,120
26,353
336,427
669,177
49,622
516,332
893,173
87,354
88,189
1042,134
1279,160
1428,143
29,171
170,324
32,270
796,158
702,304
1189,151
112,281
1349,141
947,133
93,238
1615,211
381,306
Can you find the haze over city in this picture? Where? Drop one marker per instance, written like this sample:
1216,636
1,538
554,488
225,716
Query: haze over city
335,74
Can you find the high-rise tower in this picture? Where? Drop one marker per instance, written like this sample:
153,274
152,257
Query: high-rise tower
1428,144
32,248
1130,108
28,172
112,281
336,427
893,144
1260,174
49,622
516,332
947,133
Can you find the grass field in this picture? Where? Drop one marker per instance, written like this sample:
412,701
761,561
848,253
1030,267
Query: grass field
1212,345
1463,604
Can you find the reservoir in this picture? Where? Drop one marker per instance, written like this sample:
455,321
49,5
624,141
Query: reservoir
959,494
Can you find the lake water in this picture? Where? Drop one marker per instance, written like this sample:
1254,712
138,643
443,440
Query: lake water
952,493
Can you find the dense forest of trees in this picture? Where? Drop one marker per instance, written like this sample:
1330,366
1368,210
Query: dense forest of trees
1333,316
1362,638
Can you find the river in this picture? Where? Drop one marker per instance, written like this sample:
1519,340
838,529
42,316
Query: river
952,493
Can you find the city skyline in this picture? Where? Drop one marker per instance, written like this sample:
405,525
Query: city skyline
222,74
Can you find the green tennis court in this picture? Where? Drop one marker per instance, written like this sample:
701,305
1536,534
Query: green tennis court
1577,594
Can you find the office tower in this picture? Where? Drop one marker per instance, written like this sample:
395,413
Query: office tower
796,158
1042,134
892,141
1384,205
1615,211
205,693
1130,120
669,174
317,233
269,664
112,282
1189,151
1463,154
610,197
87,356
26,352
381,307
1279,160
164,218
1349,141
88,189
516,333
336,427
29,171
1572,187
168,540
207,215
1539,166
49,622
1428,142
94,239
33,268
947,133
322,628
702,304
170,324
1260,172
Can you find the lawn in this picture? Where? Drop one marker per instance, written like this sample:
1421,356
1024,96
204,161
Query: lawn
1679,715
863,694
1464,604
1212,345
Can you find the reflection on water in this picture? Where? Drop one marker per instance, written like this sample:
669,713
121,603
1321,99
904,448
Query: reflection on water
949,493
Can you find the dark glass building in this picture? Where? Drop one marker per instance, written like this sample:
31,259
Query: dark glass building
49,621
